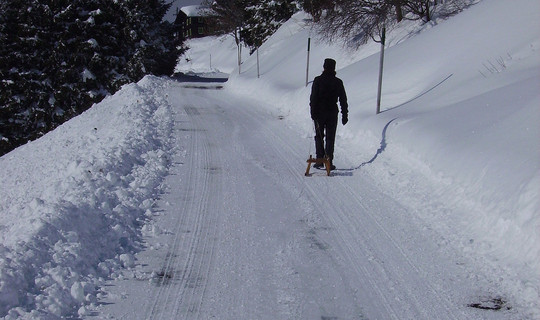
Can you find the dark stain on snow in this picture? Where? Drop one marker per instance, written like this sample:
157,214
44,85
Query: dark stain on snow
214,170
164,277
491,303
313,238
191,130
204,87
192,111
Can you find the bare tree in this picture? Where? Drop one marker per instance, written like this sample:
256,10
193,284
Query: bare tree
398,5
228,17
421,9
356,21
316,7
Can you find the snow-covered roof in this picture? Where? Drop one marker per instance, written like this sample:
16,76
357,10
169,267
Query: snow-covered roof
194,11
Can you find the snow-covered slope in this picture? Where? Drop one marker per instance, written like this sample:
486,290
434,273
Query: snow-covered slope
459,135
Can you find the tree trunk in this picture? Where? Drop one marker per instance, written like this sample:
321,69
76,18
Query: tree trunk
428,13
399,11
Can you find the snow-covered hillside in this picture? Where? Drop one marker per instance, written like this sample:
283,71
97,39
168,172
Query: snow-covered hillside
459,135
457,143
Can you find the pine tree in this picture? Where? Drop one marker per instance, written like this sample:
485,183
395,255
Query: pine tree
263,18
58,57
251,21
24,35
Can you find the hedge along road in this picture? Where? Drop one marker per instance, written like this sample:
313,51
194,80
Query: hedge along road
241,233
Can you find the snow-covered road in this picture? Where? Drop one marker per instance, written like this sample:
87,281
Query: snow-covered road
241,233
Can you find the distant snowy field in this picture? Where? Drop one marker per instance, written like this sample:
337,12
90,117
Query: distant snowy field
460,128
458,141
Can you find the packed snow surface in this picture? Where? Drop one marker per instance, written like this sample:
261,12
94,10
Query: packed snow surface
434,209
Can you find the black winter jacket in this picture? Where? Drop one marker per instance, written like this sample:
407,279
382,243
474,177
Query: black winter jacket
325,91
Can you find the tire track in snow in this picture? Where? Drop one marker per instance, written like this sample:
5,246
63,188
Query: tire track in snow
162,294
247,281
284,284
190,257
194,280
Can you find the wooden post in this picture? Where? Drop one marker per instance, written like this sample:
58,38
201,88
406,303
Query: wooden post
381,71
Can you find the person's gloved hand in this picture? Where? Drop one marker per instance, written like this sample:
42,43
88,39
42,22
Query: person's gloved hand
344,119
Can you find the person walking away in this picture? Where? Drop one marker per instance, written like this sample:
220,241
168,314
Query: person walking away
325,92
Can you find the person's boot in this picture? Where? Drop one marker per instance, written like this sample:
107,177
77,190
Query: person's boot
332,166
319,165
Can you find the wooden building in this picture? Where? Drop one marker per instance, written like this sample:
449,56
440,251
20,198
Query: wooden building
193,21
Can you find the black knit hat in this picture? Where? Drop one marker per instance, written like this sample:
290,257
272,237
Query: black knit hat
329,64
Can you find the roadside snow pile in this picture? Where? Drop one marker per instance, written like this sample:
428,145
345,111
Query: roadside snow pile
72,202
459,137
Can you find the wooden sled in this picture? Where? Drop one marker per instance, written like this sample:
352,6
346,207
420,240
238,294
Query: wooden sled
324,161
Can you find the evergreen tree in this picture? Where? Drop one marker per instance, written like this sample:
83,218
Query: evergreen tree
263,18
24,34
154,48
58,57
250,21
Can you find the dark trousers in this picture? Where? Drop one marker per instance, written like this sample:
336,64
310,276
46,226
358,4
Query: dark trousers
325,128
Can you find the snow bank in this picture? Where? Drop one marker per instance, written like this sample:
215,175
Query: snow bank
72,202
459,136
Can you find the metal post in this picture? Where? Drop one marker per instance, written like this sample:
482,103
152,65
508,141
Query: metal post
258,73
381,71
307,67
240,58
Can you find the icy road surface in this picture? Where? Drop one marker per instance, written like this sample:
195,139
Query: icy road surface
241,233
